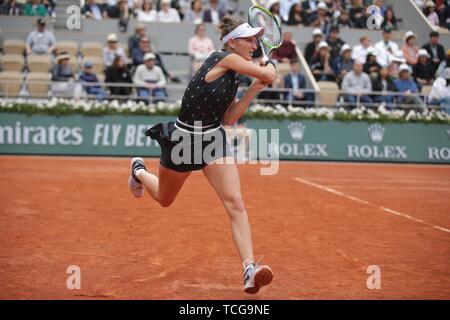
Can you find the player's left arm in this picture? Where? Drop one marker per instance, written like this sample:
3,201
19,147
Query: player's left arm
238,107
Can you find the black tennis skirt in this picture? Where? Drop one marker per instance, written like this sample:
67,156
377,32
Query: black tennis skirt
183,151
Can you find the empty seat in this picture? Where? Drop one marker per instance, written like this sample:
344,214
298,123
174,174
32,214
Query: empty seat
39,63
97,64
14,46
71,47
10,83
12,62
38,84
328,94
91,49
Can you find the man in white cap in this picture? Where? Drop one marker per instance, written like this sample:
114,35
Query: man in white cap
321,65
404,84
149,77
440,94
311,47
112,50
344,63
423,71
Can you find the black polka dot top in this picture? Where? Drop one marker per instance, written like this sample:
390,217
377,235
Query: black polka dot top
208,101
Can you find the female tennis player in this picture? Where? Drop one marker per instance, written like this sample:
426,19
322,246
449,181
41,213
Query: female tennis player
208,102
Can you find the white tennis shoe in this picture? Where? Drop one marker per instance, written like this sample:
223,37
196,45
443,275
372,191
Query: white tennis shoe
255,277
136,187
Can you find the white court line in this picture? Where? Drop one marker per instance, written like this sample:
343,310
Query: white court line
392,188
339,193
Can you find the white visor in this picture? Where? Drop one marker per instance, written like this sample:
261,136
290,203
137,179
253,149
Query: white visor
243,31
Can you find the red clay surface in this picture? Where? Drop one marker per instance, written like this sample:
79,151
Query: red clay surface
56,212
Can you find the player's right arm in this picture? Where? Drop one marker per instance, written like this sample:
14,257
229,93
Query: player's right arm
236,63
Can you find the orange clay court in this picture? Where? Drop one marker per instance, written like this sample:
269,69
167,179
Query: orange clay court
318,225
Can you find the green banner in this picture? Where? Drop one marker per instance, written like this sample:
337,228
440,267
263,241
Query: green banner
303,140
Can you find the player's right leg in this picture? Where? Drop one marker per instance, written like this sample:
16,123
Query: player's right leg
162,188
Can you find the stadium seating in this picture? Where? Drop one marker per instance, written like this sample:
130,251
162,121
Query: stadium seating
91,49
14,46
39,63
12,62
71,47
329,93
38,84
10,83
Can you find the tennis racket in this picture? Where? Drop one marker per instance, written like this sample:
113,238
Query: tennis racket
258,16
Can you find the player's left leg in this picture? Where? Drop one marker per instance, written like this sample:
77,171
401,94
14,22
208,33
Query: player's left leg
224,178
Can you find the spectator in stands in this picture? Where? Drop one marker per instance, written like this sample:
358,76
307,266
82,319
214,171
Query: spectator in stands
112,50
309,8
430,12
321,65
295,16
195,14
146,12
444,64
343,21
139,53
335,42
40,41
371,67
120,11
409,49
360,51
213,14
321,19
93,11
389,20
445,15
404,84
11,8
149,77
286,52
344,63
88,77
386,48
133,41
311,47
383,83
435,50
286,7
199,47
358,14
394,66
64,78
295,81
167,14
35,8
423,71
118,73
440,94
274,7
357,86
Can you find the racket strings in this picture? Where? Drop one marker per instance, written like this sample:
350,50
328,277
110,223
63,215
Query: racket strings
272,32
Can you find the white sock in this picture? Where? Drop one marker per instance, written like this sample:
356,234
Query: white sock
138,172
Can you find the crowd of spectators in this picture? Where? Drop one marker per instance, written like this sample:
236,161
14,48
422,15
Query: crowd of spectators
383,67
359,71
